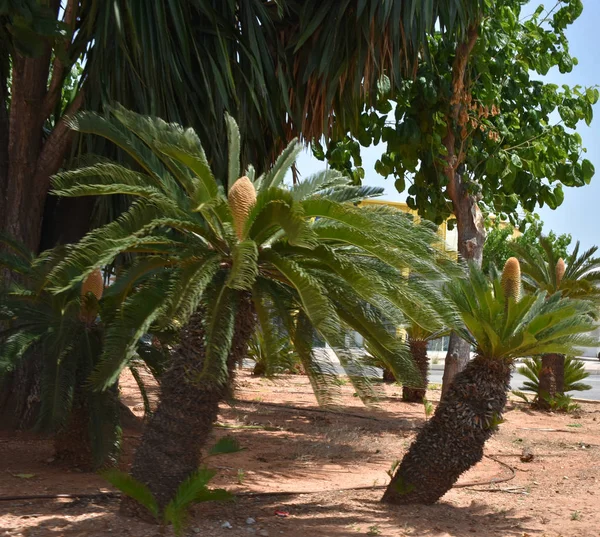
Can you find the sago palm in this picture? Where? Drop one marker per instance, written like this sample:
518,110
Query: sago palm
502,327
574,373
61,329
577,277
418,339
214,262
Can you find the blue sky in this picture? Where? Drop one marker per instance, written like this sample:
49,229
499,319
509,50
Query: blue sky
580,212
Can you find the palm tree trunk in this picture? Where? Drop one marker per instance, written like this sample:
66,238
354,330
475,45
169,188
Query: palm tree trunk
418,350
452,441
170,448
552,379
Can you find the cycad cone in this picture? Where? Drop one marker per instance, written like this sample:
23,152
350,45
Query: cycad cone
560,271
94,284
511,279
242,197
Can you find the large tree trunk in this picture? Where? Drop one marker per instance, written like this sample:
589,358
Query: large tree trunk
418,350
552,379
452,441
27,160
181,425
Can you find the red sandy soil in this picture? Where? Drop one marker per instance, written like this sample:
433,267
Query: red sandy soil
317,454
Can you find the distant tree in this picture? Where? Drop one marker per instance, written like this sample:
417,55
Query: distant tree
499,241
476,130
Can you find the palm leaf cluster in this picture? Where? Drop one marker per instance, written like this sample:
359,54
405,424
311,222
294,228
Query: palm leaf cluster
37,321
67,330
501,328
312,261
574,373
281,68
581,274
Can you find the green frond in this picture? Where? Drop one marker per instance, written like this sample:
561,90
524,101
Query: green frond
187,288
244,268
276,210
275,176
113,130
233,144
320,372
311,293
224,446
193,490
133,488
219,321
142,389
316,183
536,324
14,347
16,247
131,322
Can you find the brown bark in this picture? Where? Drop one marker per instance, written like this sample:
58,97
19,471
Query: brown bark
388,375
20,394
469,220
26,164
179,428
418,350
25,143
4,124
452,441
552,379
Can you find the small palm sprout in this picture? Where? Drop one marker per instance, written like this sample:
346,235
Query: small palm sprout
502,327
213,259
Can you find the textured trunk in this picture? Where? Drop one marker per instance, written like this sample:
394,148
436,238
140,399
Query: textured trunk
552,379
179,428
452,441
27,161
469,220
20,394
72,444
457,358
388,376
418,350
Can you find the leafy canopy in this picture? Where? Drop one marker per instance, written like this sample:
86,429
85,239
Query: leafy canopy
311,260
500,239
581,276
514,135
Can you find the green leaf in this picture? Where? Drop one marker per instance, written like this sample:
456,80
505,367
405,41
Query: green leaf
588,170
516,160
244,268
133,488
225,445
233,138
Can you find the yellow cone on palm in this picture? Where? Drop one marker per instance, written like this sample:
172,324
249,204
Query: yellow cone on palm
94,284
242,197
511,279
560,271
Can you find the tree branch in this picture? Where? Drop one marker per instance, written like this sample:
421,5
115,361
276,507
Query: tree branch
58,67
53,152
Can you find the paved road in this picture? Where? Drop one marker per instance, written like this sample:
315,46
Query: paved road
435,376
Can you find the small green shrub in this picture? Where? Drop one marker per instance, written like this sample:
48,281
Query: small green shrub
574,373
193,490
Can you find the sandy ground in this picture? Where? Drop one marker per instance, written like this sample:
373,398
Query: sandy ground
318,453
